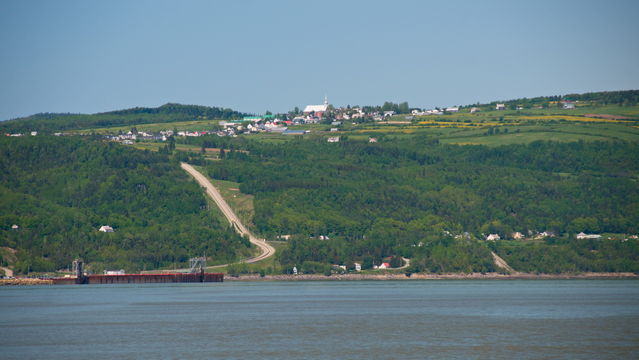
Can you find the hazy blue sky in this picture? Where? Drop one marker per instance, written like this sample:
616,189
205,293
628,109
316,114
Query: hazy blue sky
90,56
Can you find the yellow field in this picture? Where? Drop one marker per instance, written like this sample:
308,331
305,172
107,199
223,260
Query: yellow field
460,124
567,118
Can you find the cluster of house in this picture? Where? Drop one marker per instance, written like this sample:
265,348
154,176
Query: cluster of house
130,137
33,133
259,124
519,236
357,267
565,104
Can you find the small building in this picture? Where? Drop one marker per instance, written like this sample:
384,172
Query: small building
15,227
517,235
474,110
388,113
294,270
452,109
372,140
106,229
567,105
500,107
34,133
384,265
333,139
114,272
334,129
294,132
583,235
358,267
493,237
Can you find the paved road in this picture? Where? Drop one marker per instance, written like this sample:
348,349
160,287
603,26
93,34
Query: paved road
267,250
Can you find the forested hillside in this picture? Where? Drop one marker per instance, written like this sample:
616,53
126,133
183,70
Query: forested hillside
411,196
620,98
60,190
164,114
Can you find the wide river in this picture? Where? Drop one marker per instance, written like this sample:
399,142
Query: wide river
477,319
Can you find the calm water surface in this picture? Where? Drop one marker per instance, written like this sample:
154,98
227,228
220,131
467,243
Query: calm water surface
549,319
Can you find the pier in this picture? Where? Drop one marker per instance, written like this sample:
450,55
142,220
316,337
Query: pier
192,277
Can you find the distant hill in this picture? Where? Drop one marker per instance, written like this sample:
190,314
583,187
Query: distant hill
621,98
167,113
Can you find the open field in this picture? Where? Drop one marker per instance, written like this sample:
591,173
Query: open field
529,133
193,125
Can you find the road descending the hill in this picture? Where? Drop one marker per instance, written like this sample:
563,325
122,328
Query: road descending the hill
212,191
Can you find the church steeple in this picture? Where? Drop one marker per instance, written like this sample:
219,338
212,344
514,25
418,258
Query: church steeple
325,100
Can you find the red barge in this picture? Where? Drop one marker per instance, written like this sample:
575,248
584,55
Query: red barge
141,278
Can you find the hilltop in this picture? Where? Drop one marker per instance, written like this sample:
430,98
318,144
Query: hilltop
167,113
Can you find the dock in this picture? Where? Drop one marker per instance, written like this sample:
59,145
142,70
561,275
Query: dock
141,278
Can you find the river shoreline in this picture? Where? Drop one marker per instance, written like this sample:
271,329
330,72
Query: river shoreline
422,276
384,277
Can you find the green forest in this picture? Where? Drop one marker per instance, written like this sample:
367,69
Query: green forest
61,190
415,197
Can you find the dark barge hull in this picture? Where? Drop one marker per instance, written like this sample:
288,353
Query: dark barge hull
142,279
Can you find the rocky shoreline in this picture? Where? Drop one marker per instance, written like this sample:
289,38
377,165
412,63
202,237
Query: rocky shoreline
25,281
421,276
383,277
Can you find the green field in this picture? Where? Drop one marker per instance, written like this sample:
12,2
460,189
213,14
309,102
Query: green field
193,125
559,132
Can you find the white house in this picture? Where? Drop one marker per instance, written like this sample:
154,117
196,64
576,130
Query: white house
358,267
493,237
500,107
474,110
105,228
114,272
295,270
333,139
583,235
453,109
15,227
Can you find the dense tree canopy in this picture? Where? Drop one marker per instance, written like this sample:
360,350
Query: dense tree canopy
59,191
399,197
